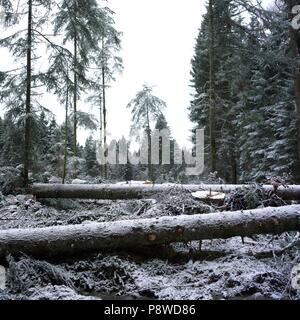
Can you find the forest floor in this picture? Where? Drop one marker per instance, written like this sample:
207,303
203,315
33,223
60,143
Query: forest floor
223,269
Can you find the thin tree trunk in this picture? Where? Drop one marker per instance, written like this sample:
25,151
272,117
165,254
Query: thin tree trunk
212,120
104,119
295,47
297,95
101,122
130,234
27,142
66,133
104,108
234,165
234,171
148,131
101,131
150,176
75,94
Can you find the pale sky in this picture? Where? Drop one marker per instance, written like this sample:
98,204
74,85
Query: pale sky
157,47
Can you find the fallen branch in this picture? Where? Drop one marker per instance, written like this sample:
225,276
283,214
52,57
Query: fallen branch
122,235
294,243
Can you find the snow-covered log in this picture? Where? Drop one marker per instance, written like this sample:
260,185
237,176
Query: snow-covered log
115,191
130,234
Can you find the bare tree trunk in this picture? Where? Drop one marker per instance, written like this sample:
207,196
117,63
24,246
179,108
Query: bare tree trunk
114,191
234,168
27,142
101,122
101,131
297,95
104,120
104,107
130,234
295,47
66,133
75,94
212,116
148,131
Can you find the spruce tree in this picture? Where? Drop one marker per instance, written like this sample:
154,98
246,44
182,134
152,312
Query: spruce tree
214,105
107,63
255,124
145,109
162,170
90,156
294,51
81,21
19,86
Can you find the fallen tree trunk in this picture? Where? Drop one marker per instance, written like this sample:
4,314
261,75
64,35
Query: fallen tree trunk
114,191
130,234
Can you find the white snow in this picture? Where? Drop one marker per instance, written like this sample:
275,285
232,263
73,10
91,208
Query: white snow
54,180
79,181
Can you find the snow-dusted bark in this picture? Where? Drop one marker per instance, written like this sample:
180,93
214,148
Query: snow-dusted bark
116,191
76,239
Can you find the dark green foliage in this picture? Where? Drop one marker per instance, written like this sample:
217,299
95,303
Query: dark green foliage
91,165
251,198
253,92
145,108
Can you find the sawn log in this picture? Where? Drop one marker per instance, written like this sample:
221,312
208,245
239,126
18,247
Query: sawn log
115,191
123,235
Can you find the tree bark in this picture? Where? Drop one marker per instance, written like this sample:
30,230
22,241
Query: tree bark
295,48
27,141
101,130
212,120
104,120
297,91
114,191
122,235
148,132
104,109
101,122
66,131
75,94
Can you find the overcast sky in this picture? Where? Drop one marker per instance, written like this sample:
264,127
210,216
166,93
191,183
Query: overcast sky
157,47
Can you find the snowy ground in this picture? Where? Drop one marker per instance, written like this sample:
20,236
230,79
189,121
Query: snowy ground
224,269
